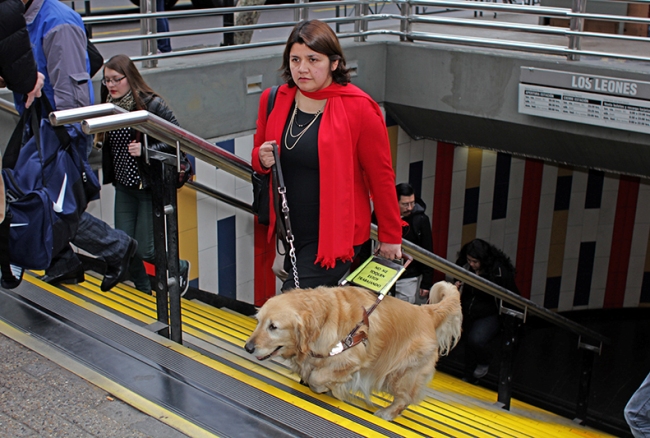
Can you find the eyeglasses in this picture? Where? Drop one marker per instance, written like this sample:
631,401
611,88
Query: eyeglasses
407,204
112,81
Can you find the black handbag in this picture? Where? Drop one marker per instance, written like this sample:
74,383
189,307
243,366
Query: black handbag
261,181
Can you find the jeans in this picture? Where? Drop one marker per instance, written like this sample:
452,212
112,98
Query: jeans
96,237
637,410
134,216
162,25
478,335
406,289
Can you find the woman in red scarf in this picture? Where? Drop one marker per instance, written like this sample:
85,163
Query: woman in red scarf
335,155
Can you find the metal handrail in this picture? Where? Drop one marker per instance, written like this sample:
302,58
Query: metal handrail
361,17
7,106
526,305
167,132
191,143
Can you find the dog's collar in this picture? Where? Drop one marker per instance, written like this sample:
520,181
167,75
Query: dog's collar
354,337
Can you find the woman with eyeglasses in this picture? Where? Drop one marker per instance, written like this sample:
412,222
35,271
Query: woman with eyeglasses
123,164
334,152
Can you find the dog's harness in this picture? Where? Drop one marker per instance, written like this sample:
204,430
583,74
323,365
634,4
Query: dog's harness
353,338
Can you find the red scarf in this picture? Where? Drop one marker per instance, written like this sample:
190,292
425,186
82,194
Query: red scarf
336,154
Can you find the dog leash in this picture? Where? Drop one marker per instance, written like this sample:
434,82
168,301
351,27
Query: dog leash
282,191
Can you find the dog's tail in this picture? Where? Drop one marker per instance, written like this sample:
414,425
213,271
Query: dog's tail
447,314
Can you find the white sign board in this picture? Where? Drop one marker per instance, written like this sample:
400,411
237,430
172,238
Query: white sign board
570,97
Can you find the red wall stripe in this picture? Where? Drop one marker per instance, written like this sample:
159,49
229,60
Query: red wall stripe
619,257
264,283
442,201
531,195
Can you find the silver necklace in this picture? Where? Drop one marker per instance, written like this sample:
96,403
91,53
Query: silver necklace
299,135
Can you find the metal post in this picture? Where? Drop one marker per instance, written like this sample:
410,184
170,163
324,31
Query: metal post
576,24
357,22
337,15
588,354
365,11
89,28
160,246
148,27
405,24
228,21
300,14
511,326
173,271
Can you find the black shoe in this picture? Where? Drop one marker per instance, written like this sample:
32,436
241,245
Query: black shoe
115,274
12,277
72,277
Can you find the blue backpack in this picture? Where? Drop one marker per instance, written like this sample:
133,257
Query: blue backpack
48,184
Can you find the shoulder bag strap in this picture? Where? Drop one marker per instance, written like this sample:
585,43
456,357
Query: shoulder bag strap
271,102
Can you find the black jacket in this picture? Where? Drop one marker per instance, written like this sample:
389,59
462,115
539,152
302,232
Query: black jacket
418,230
155,105
477,304
17,65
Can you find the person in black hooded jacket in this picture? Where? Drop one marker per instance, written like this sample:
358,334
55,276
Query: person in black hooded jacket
416,228
124,165
481,322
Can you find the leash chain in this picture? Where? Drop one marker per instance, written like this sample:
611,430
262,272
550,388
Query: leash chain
284,206
292,249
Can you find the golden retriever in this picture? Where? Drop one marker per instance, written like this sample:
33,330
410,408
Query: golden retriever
398,357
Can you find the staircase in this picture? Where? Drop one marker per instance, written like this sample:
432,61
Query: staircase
211,386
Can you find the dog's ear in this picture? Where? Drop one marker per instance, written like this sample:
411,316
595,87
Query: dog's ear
307,331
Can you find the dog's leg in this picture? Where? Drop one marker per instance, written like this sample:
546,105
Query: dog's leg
406,386
332,379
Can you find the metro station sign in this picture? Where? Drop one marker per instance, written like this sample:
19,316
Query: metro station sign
576,97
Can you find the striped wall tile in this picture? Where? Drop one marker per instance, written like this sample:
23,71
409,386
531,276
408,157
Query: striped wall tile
485,196
607,213
639,261
531,188
513,212
441,202
622,236
544,228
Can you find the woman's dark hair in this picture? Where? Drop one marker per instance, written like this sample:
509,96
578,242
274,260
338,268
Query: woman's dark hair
489,255
123,65
319,37
404,189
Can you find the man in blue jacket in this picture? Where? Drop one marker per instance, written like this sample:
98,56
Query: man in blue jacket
58,40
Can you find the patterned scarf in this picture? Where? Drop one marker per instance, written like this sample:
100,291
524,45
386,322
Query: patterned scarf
126,102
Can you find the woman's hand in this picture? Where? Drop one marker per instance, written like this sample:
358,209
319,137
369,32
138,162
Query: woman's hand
135,148
266,154
391,251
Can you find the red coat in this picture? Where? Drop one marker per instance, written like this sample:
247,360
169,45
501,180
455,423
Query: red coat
355,162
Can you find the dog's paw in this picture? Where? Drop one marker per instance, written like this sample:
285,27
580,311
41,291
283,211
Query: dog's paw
386,414
318,389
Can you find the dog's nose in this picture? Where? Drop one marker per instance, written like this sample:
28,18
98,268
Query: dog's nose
249,347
